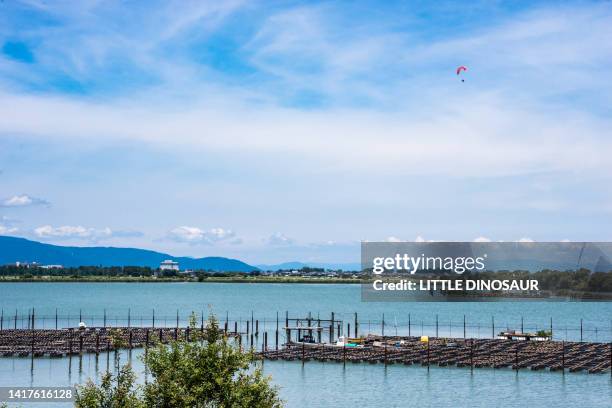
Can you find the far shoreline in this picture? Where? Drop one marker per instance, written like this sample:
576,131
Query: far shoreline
123,279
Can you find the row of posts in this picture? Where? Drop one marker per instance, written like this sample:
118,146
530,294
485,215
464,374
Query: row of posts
332,329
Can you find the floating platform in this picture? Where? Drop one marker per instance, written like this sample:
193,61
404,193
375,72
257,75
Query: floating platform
459,352
66,342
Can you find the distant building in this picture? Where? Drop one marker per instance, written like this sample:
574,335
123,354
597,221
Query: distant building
169,265
52,266
26,264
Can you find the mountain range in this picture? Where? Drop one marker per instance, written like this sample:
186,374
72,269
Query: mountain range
13,249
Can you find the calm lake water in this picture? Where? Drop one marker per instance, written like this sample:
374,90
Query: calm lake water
321,384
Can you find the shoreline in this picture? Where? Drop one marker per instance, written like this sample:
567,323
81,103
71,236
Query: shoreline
124,279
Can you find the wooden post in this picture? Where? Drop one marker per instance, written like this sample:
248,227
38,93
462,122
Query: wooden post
153,319
437,325
2,319
235,327
331,329
256,327
344,353
80,344
464,336
348,328
551,329
563,357
129,319
472,354
33,320
522,329
130,338
409,326
427,355
97,342
276,341
287,329
104,317
356,326
383,325
80,316
147,338
492,327
247,331
581,330
56,319
15,319
202,322
177,319
161,335
516,358
386,354
175,333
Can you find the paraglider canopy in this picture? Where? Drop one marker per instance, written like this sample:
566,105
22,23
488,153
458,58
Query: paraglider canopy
460,69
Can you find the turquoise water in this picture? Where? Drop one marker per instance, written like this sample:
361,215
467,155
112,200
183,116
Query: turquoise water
317,384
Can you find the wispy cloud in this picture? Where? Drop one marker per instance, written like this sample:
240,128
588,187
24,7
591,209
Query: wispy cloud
23,200
279,238
7,229
81,233
195,235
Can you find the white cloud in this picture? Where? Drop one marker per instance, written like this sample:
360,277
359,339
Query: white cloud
392,239
419,239
279,238
482,239
22,200
6,230
72,232
525,239
195,235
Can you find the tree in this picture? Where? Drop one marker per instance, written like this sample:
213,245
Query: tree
208,371
114,391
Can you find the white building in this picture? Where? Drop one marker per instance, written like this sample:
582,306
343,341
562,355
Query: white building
169,265
52,267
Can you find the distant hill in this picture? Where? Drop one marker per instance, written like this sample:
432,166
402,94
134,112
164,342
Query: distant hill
13,249
299,265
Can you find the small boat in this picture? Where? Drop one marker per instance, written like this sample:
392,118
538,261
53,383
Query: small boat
344,341
514,335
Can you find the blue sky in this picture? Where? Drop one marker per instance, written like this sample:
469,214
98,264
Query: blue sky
279,131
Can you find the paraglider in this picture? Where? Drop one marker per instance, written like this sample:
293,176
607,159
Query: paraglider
461,69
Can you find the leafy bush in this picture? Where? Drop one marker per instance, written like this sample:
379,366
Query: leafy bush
209,371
